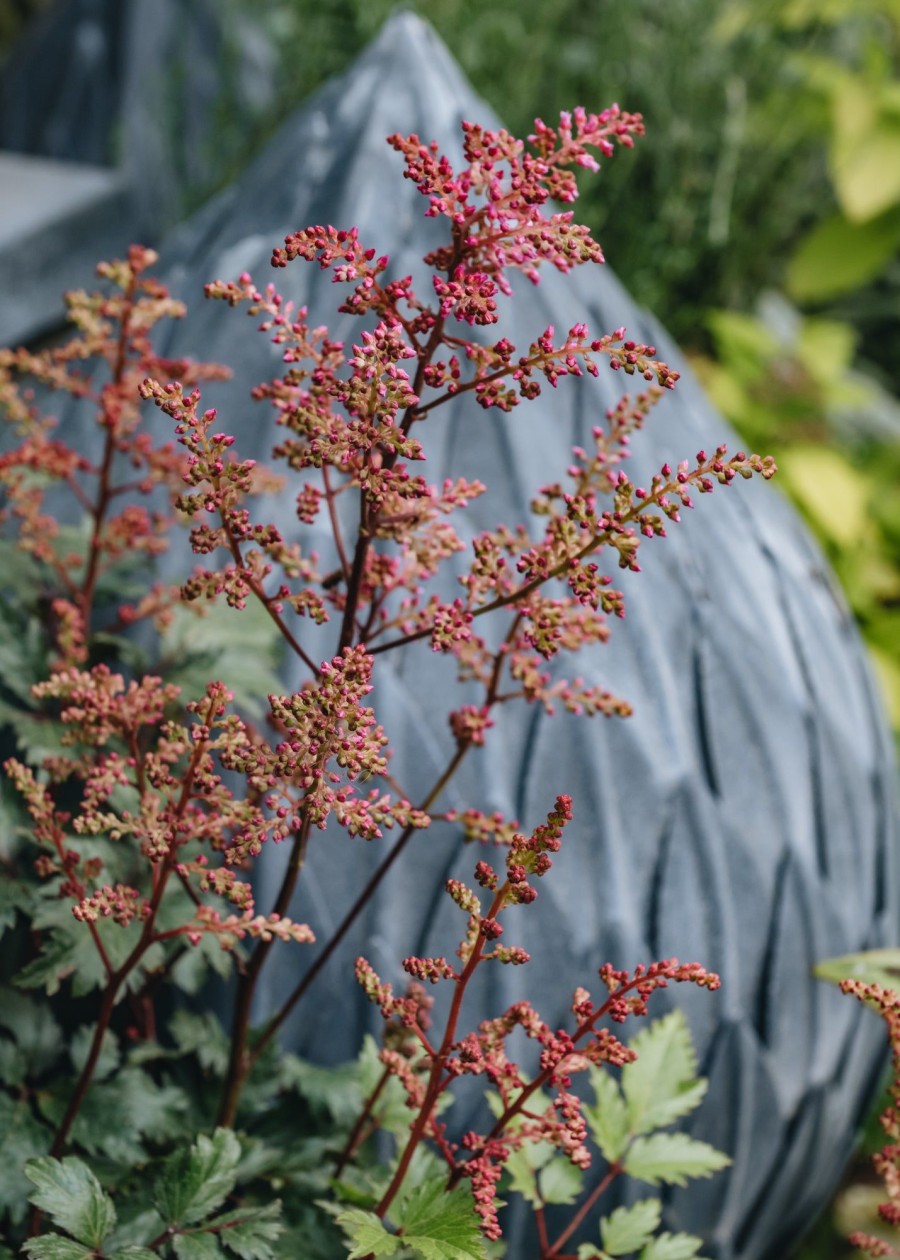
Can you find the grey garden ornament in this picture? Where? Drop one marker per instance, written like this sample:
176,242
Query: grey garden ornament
743,817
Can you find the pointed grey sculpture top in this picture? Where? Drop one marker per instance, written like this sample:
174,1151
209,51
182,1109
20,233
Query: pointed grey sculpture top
744,817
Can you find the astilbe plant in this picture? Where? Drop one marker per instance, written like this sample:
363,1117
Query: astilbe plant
147,806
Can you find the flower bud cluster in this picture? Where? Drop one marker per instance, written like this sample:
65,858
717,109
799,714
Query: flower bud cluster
886,1162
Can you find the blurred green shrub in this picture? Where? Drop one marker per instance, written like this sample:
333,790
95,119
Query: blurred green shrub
787,382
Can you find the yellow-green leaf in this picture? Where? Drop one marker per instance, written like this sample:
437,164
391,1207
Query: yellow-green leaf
831,492
838,256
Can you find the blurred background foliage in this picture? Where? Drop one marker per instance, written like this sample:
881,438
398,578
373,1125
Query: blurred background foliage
759,219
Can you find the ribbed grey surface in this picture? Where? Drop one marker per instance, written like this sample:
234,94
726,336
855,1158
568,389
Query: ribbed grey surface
743,817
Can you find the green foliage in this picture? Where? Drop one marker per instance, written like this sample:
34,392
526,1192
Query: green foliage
189,1192
661,1086
73,1198
873,966
788,380
243,649
839,255
432,1223
628,1229
626,1118
672,1159
196,1182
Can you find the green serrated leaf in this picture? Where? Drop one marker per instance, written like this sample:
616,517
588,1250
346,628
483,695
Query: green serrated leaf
14,896
329,1091
440,1224
672,1158
607,1116
80,1046
13,1064
628,1228
203,1035
119,1113
242,649
22,1138
133,1253
72,1197
133,1232
874,966
250,1232
192,969
522,1169
33,1026
70,951
22,660
673,1247
196,1182
199,1245
660,1086
560,1181
368,1234
55,1247
53,965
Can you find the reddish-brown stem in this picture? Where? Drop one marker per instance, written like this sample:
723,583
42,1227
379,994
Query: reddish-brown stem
87,1072
467,386
79,495
354,583
79,892
540,1221
241,1060
335,524
593,1198
435,1081
259,591
353,913
354,1141
367,515
101,950
118,977
426,354
104,489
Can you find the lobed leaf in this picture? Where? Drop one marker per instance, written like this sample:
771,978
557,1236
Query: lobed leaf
673,1247
628,1228
196,1182
55,1247
369,1235
560,1182
72,1197
250,1232
607,1117
437,1224
672,1158
199,1245
22,1138
661,1085
873,966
